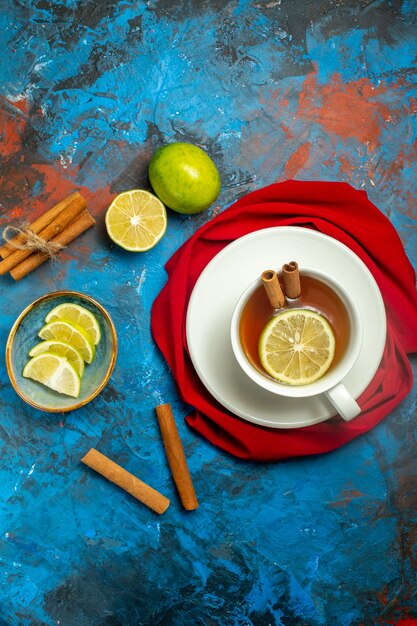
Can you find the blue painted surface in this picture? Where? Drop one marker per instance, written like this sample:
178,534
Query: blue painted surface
272,90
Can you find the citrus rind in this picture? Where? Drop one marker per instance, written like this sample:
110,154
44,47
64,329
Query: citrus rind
60,348
55,372
71,333
78,315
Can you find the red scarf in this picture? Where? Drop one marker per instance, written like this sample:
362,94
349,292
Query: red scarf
335,209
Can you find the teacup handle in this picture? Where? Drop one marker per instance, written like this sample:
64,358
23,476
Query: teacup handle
340,397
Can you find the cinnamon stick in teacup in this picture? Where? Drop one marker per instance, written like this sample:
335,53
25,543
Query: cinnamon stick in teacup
120,477
273,289
291,279
176,456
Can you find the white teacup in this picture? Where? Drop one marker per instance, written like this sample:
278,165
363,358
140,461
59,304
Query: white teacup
330,383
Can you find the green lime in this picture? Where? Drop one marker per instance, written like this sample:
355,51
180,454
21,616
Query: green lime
184,177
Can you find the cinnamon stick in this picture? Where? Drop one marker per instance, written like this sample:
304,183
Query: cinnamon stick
291,278
42,221
120,477
76,228
176,457
57,225
273,289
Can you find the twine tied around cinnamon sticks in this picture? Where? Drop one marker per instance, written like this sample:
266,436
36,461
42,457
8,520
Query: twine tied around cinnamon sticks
32,241
33,244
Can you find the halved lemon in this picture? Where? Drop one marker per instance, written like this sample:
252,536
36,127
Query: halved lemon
61,349
79,315
297,346
54,371
136,220
71,333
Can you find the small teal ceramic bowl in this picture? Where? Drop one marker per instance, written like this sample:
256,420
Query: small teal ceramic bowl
24,336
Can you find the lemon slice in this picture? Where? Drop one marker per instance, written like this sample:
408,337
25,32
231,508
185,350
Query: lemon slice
79,315
136,220
71,333
54,371
61,349
297,346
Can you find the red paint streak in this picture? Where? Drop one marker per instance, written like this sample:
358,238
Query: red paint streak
59,183
347,168
383,596
56,183
12,125
394,172
344,109
396,167
393,620
347,496
411,205
288,132
407,621
277,103
21,104
18,176
297,160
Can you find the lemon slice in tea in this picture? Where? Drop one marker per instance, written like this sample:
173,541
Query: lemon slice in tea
136,220
71,333
297,346
54,371
79,315
61,349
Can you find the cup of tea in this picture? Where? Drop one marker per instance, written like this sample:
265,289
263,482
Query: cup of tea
325,297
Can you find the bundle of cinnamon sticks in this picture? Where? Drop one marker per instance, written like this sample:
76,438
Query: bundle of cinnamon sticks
42,239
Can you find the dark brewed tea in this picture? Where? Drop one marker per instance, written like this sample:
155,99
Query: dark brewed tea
315,295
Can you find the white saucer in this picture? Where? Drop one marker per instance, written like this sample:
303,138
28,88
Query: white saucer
217,291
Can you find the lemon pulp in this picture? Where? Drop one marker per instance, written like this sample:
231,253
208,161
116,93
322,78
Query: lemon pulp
136,220
79,315
61,349
71,333
297,346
